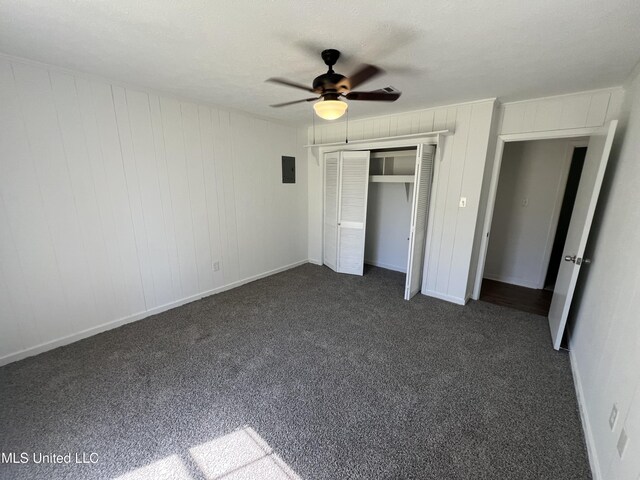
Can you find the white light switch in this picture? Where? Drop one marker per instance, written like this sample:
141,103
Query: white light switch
525,202
463,202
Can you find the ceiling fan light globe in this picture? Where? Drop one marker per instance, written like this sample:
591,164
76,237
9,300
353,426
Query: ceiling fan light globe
330,109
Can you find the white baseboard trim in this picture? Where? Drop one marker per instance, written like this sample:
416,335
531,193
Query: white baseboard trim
447,298
388,266
584,417
74,337
513,281
315,261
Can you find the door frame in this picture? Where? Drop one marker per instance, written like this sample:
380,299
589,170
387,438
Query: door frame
495,177
374,144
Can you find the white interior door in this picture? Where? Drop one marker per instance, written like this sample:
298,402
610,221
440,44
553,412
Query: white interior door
595,164
353,187
330,240
419,218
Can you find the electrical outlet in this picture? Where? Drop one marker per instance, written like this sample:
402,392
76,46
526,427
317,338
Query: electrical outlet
463,202
622,442
525,202
613,416
216,266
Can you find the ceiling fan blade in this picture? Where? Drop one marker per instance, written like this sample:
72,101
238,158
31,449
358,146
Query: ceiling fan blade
294,102
375,96
288,83
363,74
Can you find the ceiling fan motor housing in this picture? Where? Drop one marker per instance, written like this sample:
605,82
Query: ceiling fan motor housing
329,81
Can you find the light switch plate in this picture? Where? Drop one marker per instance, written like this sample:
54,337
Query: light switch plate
613,416
622,442
463,202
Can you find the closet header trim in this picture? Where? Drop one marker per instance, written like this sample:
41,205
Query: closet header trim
384,139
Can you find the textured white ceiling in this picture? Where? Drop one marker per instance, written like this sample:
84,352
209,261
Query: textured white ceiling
436,52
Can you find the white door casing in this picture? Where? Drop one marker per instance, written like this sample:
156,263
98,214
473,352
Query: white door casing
419,218
595,164
353,188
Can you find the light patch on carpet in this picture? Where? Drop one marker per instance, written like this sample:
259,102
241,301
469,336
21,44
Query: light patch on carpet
239,455
170,468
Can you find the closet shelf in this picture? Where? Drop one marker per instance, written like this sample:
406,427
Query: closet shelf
392,178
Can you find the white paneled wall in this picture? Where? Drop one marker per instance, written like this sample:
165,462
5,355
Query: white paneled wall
458,173
605,332
116,202
578,110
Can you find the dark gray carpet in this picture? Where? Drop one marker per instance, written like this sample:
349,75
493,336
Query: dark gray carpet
338,374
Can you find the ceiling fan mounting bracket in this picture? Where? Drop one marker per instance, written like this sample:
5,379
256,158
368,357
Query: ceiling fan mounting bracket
330,57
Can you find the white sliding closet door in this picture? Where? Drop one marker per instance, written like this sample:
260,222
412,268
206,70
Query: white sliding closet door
331,163
419,213
353,187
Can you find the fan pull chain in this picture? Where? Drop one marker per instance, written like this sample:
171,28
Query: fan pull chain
346,136
313,121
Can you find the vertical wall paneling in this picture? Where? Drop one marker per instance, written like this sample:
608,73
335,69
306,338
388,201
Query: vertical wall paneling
70,121
477,152
167,229
133,191
180,195
587,109
451,226
21,200
143,169
115,203
129,282
11,336
207,134
197,197
102,220
227,157
74,298
245,203
15,295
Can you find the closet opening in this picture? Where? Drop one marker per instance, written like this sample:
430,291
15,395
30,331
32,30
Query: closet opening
391,184
376,208
536,193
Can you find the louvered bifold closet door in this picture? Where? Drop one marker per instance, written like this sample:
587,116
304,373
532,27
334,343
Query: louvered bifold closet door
419,218
352,210
330,240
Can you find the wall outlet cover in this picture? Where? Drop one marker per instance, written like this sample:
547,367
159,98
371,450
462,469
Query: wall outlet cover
622,442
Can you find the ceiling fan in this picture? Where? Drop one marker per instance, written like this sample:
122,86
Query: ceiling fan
331,86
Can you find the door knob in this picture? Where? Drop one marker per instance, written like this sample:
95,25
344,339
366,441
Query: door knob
575,259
